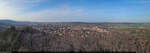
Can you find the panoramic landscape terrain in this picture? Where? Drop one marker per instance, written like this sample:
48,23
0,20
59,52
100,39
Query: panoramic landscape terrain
75,26
74,37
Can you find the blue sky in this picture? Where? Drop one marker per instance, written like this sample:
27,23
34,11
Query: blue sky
76,10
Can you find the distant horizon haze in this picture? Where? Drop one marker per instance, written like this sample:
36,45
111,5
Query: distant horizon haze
9,20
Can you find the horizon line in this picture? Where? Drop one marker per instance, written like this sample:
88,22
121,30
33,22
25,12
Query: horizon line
71,21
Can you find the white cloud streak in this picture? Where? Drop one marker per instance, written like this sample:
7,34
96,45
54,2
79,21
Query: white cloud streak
10,9
13,9
55,14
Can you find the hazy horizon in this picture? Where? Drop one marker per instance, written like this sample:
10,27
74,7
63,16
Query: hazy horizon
71,21
75,10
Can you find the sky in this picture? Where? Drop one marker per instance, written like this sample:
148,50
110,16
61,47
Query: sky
76,10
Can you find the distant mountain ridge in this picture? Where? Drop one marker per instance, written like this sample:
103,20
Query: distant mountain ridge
12,22
7,21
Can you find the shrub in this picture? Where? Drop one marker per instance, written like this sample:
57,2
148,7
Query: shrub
10,38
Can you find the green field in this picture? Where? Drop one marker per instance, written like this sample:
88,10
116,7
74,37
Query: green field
138,29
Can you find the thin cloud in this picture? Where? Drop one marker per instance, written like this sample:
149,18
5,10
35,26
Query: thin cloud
63,13
23,10
13,9
9,9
